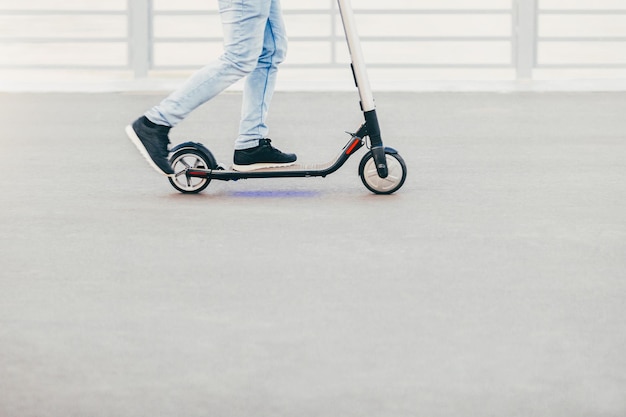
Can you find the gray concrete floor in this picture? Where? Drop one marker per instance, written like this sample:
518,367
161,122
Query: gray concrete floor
492,284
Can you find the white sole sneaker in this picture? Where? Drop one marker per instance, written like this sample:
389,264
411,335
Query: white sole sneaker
130,132
264,165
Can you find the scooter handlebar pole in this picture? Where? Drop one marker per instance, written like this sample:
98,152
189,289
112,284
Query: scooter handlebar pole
363,84
356,54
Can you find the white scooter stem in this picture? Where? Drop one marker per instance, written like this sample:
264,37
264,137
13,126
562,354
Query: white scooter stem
363,84
356,54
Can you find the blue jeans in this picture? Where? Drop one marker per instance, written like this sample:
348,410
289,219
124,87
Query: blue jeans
254,44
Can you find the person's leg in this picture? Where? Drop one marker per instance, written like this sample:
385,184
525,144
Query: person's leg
259,86
252,148
244,23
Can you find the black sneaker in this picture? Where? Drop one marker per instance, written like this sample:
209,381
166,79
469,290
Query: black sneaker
152,141
262,156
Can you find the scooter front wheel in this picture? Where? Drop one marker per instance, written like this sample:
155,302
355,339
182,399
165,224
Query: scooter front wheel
185,159
394,180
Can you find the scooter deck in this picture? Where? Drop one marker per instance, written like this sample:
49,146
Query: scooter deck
293,171
296,170
293,167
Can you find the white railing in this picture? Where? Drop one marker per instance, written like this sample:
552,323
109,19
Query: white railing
581,34
399,36
146,36
64,35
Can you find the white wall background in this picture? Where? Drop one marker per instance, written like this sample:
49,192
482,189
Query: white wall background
407,43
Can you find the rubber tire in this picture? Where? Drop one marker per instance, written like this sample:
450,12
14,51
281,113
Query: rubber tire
202,160
377,185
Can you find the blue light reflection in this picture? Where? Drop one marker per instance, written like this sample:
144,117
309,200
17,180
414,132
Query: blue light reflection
276,194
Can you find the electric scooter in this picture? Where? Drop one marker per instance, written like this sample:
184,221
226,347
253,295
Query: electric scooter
382,169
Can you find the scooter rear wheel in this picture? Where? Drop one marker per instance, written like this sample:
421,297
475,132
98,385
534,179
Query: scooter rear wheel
183,160
378,185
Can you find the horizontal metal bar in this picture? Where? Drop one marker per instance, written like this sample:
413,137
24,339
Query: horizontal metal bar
406,66
64,40
363,39
580,66
433,11
582,39
417,38
66,67
43,12
374,65
327,12
190,12
583,11
214,39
